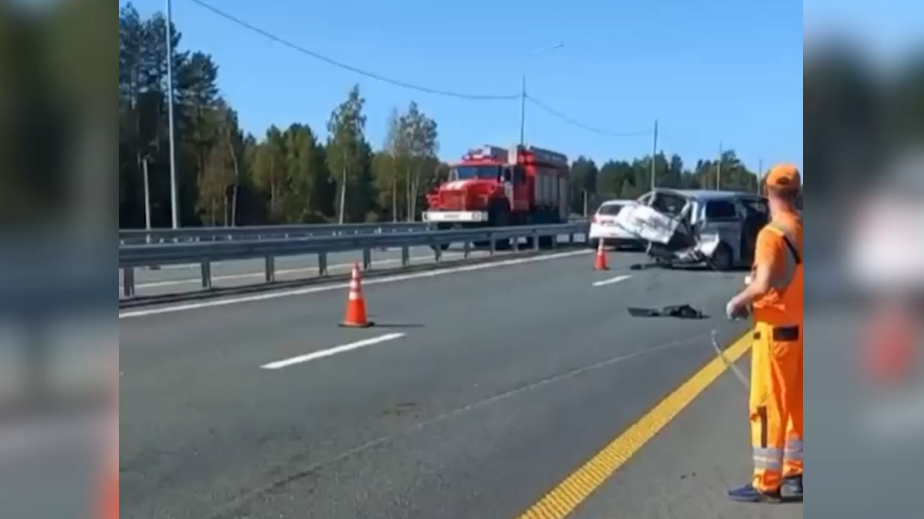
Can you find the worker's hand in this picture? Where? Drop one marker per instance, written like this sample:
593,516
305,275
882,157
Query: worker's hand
736,309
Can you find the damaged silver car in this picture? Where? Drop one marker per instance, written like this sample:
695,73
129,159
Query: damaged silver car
697,227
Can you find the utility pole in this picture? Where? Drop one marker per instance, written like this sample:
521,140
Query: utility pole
760,176
523,112
343,189
718,178
523,93
394,187
174,209
147,195
237,177
654,154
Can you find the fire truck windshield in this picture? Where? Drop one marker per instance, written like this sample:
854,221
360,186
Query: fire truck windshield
473,172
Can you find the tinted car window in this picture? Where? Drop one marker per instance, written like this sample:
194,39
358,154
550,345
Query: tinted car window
668,203
610,209
756,207
721,210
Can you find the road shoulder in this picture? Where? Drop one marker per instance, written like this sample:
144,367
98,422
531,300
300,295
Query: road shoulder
686,470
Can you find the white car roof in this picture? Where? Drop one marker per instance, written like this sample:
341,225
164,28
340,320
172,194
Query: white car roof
618,202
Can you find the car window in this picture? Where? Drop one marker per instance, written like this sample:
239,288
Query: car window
721,210
756,207
610,209
669,203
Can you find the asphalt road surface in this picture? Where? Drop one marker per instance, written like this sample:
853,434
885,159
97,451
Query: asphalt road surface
513,390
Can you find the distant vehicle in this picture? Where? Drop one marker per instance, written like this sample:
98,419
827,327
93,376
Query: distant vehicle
499,187
716,228
603,226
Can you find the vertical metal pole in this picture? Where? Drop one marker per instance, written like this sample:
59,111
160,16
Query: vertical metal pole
654,153
760,176
147,196
394,187
174,209
343,190
523,113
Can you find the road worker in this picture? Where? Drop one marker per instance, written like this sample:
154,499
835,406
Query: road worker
774,296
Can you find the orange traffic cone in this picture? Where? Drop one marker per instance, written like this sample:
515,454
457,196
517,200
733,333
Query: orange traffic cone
356,304
890,353
600,261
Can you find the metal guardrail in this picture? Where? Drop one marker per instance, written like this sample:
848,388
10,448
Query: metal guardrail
268,232
206,253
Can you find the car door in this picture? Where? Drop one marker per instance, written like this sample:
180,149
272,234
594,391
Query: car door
723,220
756,216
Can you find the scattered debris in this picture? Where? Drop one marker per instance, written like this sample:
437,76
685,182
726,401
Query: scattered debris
678,312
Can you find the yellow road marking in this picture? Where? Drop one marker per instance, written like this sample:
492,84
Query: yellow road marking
574,490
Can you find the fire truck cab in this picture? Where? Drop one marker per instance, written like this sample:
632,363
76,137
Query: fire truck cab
497,187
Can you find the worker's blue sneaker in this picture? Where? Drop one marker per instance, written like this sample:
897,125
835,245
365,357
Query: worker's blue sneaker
749,494
792,486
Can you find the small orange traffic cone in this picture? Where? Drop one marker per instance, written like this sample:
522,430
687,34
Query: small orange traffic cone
600,261
356,304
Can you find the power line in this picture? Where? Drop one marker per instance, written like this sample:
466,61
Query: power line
344,66
574,122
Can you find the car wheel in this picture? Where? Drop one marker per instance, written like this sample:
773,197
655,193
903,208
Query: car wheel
723,258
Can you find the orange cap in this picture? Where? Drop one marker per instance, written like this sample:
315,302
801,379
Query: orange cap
785,176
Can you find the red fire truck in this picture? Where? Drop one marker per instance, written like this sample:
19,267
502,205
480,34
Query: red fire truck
497,187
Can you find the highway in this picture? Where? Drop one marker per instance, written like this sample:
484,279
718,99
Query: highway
519,389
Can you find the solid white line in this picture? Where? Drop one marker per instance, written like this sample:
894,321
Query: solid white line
227,277
617,279
332,351
342,286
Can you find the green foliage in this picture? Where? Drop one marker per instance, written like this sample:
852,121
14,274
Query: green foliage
618,179
349,158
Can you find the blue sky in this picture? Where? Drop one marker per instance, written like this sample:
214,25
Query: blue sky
711,71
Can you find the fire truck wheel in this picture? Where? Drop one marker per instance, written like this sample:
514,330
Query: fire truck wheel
500,217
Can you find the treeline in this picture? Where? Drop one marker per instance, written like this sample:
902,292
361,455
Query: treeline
631,179
297,174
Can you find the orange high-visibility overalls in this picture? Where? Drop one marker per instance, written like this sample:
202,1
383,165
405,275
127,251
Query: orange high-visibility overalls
109,505
776,372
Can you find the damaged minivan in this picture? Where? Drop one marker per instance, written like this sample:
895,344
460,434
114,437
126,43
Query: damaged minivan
697,227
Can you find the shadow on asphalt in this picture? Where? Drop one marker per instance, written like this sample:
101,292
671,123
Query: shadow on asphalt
398,326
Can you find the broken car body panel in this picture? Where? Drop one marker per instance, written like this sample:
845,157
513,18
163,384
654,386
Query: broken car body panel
688,227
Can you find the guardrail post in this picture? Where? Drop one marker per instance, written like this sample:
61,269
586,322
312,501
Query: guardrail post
493,250
270,269
322,264
367,259
515,242
206,269
571,238
466,249
405,256
536,241
437,253
128,281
